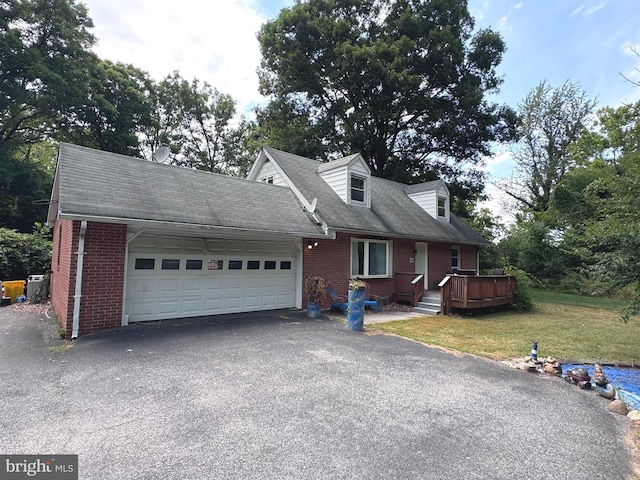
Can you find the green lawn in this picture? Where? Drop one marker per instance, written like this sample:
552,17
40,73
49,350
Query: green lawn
567,327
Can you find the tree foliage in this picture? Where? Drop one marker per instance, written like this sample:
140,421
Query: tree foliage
53,88
43,46
551,121
196,121
402,82
23,254
26,176
114,108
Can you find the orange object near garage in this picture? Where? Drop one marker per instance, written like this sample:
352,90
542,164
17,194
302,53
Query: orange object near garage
13,289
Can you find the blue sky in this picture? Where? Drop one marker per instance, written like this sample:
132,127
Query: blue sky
588,42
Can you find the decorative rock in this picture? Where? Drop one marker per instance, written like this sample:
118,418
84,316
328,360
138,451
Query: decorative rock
634,415
599,377
619,407
552,366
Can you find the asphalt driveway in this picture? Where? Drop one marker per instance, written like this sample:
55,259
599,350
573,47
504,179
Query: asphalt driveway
280,396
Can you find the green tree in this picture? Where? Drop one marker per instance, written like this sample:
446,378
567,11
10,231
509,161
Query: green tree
551,121
402,82
26,177
598,206
23,254
43,47
196,122
115,107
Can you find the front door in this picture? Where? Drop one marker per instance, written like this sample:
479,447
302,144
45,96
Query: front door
422,262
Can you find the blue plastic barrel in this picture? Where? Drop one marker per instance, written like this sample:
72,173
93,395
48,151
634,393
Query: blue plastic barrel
355,319
313,310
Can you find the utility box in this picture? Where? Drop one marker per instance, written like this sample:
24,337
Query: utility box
4,300
33,282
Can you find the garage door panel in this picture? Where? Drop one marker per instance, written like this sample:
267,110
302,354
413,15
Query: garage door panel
190,307
192,286
168,307
252,302
209,286
213,305
269,301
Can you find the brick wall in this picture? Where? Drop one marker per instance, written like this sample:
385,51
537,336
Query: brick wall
439,263
102,279
469,254
331,260
63,271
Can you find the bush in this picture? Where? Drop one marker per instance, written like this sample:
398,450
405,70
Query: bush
23,254
524,299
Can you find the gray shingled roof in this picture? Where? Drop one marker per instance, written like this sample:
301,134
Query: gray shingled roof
92,184
392,212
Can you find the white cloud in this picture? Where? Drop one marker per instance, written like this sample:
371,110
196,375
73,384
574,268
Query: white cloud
577,11
214,42
594,9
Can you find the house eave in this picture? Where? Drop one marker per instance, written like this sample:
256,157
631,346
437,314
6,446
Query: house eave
371,233
166,225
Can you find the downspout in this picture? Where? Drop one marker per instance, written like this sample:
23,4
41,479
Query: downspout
78,294
125,316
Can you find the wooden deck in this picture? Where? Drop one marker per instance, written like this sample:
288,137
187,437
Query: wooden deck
476,291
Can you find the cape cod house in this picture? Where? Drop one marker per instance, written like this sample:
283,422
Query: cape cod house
137,241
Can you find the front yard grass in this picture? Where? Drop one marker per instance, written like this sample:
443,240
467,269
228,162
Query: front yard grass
568,327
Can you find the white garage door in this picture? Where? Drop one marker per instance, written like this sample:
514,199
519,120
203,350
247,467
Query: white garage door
174,277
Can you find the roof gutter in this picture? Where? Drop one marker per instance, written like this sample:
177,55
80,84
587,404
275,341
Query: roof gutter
180,225
78,292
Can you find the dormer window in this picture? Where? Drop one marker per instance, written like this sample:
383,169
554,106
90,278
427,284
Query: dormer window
268,179
358,192
349,178
442,206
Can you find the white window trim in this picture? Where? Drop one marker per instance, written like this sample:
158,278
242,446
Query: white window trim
446,206
459,250
365,189
366,258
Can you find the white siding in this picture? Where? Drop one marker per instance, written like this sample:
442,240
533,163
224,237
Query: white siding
269,170
360,169
428,201
337,180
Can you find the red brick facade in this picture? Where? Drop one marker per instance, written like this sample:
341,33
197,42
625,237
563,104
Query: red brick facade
104,270
102,279
331,260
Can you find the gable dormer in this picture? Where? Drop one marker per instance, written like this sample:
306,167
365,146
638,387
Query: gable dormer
433,197
266,171
350,178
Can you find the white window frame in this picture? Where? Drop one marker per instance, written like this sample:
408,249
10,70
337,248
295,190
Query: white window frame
363,190
444,207
268,179
459,257
365,273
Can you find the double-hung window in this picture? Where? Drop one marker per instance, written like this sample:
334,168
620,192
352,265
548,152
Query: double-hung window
455,258
358,189
370,258
442,206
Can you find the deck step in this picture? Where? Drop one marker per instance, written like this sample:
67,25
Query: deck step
426,311
429,304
